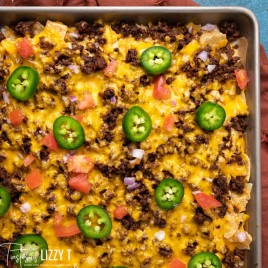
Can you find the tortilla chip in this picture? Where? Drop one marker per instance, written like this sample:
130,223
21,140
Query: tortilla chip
240,200
241,51
214,38
57,27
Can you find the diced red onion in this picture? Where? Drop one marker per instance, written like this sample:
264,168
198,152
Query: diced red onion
73,98
25,208
196,192
241,236
208,27
6,98
173,103
96,44
129,180
211,67
133,186
74,35
72,152
203,55
8,120
137,153
113,100
74,68
160,235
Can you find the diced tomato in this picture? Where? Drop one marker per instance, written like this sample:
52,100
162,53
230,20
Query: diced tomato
28,160
176,263
207,201
16,117
120,212
25,49
34,179
50,141
80,183
161,92
169,122
86,102
65,231
80,164
78,117
111,68
241,78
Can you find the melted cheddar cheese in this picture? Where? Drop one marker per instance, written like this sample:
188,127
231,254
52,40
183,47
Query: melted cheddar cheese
177,153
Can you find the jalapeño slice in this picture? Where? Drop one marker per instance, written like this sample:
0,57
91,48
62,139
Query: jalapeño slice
4,200
210,116
137,124
68,132
94,222
156,59
169,194
22,83
29,250
205,259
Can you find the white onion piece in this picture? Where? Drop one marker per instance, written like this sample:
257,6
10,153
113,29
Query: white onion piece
73,98
160,235
196,192
74,68
183,218
133,186
190,29
208,27
6,98
203,55
129,180
113,100
209,179
74,35
137,153
211,67
241,236
64,159
25,208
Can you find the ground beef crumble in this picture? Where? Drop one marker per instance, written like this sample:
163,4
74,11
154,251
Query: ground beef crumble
129,223
165,250
230,29
190,248
93,63
239,123
220,187
5,180
24,28
132,57
200,216
145,80
237,184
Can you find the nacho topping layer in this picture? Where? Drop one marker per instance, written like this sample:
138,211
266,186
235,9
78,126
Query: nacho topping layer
156,188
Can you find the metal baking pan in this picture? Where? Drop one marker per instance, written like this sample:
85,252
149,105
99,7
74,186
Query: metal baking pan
248,26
